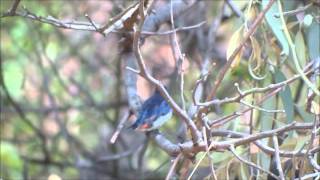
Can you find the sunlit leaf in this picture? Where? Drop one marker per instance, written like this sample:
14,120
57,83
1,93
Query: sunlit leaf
307,20
13,78
233,44
315,108
20,30
255,61
300,48
46,28
52,50
256,51
10,159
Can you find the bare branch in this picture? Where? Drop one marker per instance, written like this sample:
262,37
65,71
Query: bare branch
277,157
178,56
119,127
14,7
187,147
232,149
235,9
173,166
196,135
237,50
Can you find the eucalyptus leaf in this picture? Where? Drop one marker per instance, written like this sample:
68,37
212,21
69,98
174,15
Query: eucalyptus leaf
266,124
286,98
276,26
307,117
300,48
313,40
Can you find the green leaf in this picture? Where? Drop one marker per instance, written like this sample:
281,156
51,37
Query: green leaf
11,160
294,143
314,40
300,48
13,78
276,26
19,31
286,98
307,117
266,118
266,124
219,157
52,50
244,171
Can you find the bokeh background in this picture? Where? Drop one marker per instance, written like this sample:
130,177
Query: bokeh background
65,90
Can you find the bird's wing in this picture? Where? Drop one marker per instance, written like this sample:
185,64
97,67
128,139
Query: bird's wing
151,110
147,115
151,114
161,112
165,108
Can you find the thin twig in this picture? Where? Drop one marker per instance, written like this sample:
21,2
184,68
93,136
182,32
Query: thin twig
119,127
266,149
197,165
315,175
196,135
235,9
294,52
225,119
119,155
165,33
312,137
293,12
17,107
233,151
14,7
242,94
204,132
92,23
262,109
173,166
86,26
179,57
237,50
277,157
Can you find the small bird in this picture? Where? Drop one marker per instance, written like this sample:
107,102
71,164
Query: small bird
154,112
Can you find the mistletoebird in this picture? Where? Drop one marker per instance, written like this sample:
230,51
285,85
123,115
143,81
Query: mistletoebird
154,112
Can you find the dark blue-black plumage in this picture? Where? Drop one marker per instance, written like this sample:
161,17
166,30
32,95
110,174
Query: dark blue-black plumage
154,112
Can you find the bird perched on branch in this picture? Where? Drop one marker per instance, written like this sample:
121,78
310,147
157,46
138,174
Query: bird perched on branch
154,112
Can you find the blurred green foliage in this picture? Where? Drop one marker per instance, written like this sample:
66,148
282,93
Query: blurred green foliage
65,80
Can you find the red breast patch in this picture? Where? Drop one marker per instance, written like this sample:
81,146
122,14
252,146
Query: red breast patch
145,126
